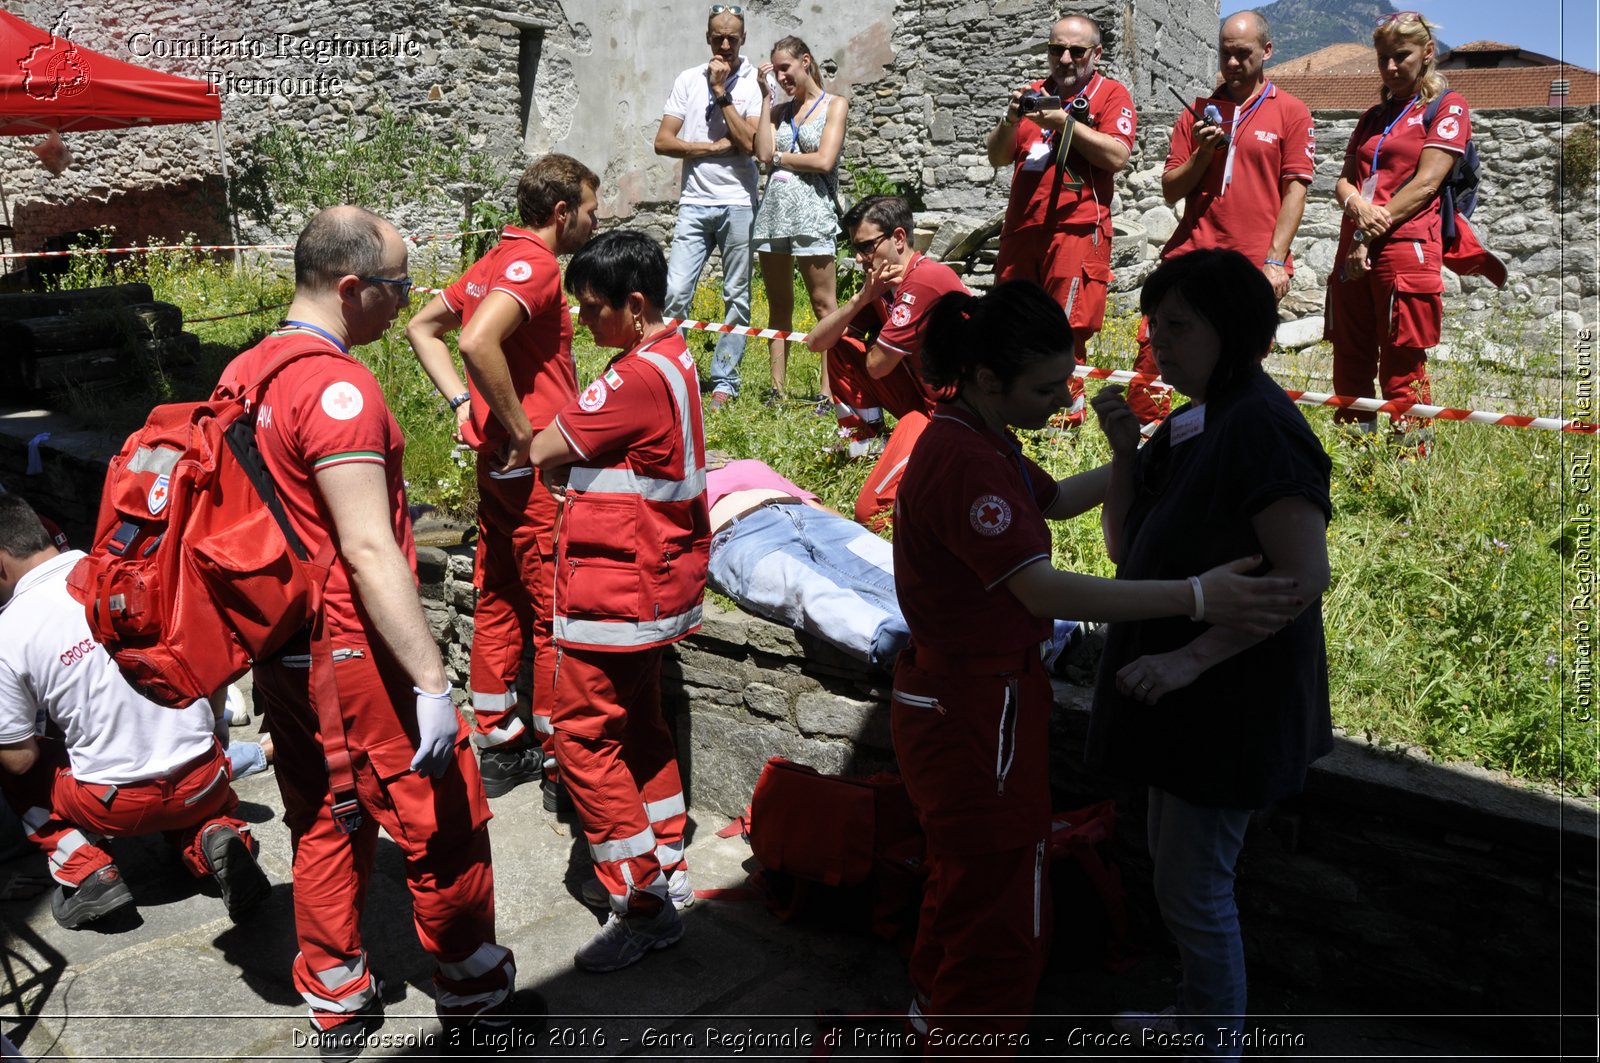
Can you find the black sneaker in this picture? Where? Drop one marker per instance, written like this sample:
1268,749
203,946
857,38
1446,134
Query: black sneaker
504,769
556,798
344,1042
509,1028
95,897
241,880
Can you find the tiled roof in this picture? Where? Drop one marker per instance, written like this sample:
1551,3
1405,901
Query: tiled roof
1486,46
1334,59
1524,86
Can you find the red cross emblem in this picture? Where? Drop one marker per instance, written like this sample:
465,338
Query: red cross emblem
990,515
156,500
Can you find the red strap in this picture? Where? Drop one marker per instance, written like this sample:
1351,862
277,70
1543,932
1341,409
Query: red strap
325,695
740,827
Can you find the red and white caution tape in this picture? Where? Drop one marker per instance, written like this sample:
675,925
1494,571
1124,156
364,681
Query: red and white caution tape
423,238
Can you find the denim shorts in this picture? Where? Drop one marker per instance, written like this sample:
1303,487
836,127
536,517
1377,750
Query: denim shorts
798,246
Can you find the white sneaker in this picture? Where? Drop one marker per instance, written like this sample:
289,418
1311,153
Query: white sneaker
1164,1023
679,891
627,939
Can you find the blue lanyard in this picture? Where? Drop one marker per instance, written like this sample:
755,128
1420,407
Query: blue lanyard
1238,119
793,132
324,333
1384,135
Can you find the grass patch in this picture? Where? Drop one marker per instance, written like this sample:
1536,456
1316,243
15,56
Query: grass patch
1445,620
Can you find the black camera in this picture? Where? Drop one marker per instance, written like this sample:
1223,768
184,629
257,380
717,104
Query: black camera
1034,100
1080,111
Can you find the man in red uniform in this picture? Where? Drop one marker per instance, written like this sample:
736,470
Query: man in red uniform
1242,180
874,344
1057,231
516,341
334,452
635,540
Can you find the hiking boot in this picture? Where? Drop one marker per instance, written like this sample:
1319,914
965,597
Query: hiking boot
556,798
241,880
626,939
504,768
503,1030
679,892
1164,1023
344,1042
97,896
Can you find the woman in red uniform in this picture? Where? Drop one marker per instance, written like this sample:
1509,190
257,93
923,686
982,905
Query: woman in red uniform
1384,302
971,697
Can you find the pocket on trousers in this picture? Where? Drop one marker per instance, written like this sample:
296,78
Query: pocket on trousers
1415,317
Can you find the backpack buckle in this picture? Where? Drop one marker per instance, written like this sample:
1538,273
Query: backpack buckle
122,538
347,816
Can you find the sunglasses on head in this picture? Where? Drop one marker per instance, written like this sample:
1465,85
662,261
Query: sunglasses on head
1404,16
1077,51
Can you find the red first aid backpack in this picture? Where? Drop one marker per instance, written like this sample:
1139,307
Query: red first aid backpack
195,571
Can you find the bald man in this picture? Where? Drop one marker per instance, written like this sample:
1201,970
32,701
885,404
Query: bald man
1242,179
1057,231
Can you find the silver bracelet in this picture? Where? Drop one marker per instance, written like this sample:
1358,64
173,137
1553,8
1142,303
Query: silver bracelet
1199,613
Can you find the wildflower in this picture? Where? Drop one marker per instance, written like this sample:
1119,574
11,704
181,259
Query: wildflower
1500,545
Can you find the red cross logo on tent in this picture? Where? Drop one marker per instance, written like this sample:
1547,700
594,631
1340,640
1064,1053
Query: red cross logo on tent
990,515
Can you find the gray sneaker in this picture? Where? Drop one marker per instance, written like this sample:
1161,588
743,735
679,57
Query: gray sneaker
625,939
97,896
679,891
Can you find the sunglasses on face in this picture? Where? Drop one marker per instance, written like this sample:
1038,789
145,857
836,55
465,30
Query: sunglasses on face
730,9
865,248
1077,51
402,285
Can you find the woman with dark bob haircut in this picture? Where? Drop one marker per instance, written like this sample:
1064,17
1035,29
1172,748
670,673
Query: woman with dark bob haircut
1215,719
972,701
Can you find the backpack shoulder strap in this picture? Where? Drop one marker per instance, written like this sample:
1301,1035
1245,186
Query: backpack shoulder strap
271,370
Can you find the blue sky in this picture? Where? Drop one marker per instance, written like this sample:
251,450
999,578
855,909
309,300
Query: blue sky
1562,28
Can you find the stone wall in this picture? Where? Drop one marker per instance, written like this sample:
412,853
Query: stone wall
516,80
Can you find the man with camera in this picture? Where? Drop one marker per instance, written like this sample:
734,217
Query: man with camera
1068,135
1241,166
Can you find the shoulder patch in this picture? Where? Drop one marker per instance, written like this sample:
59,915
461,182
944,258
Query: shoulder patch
613,378
1449,127
899,315
518,271
1125,125
990,515
593,397
342,400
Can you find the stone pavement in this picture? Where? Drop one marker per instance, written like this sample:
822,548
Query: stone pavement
179,981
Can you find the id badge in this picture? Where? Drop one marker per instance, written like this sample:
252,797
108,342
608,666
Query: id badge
1038,156
1188,424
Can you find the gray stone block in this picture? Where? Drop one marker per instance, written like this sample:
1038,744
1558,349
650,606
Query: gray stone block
763,699
836,716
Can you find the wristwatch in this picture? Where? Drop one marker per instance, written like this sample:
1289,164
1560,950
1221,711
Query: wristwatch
460,400
725,100
777,160
1359,236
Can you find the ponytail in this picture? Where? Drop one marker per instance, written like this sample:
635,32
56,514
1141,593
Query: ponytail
1015,325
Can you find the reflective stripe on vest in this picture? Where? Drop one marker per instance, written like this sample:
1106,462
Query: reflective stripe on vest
614,481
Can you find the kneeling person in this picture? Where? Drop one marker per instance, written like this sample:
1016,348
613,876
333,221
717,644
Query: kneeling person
634,536
124,765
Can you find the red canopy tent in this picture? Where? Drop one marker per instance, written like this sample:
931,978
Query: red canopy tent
49,84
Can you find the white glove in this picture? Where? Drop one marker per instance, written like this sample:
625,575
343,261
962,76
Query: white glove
437,724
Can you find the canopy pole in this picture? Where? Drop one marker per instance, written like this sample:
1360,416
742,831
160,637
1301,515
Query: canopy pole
227,195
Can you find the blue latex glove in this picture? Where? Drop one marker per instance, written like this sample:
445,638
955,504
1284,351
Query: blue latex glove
437,724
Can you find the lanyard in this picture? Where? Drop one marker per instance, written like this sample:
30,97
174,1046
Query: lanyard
1049,135
324,333
793,132
1382,136
1233,138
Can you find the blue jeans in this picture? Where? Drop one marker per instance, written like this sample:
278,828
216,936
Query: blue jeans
815,571
1195,849
698,229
